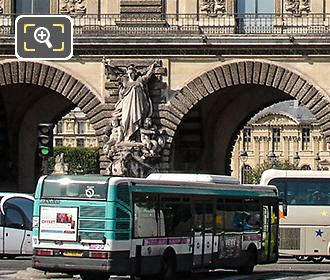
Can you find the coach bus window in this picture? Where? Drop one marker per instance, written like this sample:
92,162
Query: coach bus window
24,207
14,218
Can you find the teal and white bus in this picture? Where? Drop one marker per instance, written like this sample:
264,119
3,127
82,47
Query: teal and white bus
166,224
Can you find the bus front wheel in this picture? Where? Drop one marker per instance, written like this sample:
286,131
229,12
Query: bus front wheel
251,262
94,276
317,259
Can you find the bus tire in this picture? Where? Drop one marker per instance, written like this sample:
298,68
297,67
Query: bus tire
168,266
94,276
317,259
251,262
303,258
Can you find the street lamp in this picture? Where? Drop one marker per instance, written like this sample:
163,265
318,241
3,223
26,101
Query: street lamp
272,158
296,159
317,160
243,156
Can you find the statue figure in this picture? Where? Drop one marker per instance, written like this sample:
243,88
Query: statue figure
148,133
60,167
293,6
134,103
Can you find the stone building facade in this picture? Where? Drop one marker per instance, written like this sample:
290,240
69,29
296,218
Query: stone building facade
287,129
74,130
217,64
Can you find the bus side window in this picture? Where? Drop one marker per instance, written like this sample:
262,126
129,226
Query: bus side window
14,218
19,212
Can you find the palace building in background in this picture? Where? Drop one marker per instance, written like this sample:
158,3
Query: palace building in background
74,130
286,130
167,85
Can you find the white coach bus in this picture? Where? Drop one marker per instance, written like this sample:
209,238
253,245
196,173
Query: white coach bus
305,229
15,224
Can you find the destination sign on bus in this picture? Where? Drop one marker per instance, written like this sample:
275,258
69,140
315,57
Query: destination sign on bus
58,223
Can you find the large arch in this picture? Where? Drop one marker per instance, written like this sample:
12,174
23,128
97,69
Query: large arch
48,88
229,76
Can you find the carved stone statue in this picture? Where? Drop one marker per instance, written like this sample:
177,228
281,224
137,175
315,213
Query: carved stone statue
1,6
73,7
60,167
131,141
297,7
213,7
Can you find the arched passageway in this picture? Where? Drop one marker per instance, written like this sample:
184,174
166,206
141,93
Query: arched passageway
204,118
31,93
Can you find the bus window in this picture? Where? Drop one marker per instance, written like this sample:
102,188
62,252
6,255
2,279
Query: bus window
177,216
220,216
145,215
19,211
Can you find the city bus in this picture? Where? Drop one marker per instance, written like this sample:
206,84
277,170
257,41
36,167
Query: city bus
305,229
165,225
15,224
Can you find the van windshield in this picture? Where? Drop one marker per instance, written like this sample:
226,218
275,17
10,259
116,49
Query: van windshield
68,188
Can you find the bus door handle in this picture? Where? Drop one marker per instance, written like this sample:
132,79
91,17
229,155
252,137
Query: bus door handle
7,234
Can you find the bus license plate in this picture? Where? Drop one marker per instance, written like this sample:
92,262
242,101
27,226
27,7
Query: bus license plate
73,254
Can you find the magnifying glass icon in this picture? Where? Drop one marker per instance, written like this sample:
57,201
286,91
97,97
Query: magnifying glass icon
42,35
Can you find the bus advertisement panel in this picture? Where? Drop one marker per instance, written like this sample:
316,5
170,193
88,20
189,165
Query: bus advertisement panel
165,224
59,223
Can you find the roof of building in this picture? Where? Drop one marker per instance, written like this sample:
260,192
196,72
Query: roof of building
290,108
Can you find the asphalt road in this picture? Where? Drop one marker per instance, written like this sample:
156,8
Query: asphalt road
287,269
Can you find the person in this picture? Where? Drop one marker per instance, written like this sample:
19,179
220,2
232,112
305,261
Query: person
148,138
134,104
318,197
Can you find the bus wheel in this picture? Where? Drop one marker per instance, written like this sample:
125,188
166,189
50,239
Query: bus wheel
317,259
251,261
303,258
168,270
94,276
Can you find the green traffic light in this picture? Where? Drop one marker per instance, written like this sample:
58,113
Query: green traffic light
44,151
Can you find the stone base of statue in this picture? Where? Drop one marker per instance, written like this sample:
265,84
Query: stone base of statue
131,159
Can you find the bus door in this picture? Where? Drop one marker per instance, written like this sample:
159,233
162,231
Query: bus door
203,233
269,234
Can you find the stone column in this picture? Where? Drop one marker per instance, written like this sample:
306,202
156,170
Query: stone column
256,144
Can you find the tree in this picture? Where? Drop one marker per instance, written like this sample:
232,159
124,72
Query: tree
254,175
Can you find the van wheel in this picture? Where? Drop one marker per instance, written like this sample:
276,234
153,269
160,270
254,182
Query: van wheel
168,269
94,276
317,259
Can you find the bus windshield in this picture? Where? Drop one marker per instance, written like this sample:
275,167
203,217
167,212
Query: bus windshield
303,191
72,189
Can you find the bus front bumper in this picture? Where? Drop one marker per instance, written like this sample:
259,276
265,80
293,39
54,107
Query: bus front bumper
70,264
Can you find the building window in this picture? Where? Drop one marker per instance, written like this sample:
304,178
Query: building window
246,139
59,127
58,142
276,138
306,138
80,127
31,6
80,142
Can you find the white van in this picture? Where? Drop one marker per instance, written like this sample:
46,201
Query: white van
16,212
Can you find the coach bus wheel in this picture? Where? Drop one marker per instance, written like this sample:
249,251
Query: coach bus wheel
317,259
168,270
303,258
94,276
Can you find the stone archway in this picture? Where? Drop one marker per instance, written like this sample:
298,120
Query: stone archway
45,79
244,73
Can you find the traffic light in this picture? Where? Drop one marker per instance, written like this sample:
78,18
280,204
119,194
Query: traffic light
45,139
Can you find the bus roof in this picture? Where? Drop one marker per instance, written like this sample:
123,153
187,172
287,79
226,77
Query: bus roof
186,177
270,174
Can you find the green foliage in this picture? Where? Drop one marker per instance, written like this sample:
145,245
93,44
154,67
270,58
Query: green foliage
254,175
79,159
